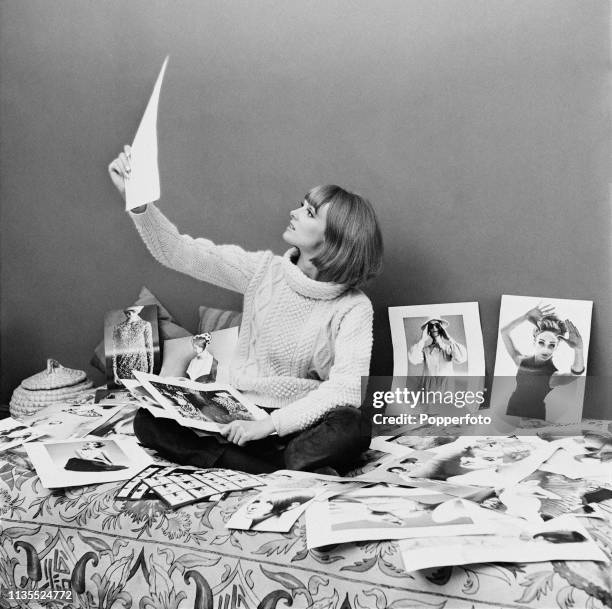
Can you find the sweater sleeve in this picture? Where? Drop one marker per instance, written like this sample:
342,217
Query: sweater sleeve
228,266
352,352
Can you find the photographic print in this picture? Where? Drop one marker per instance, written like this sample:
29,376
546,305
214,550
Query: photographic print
87,461
135,488
544,495
275,510
139,393
131,342
562,538
410,442
182,486
541,358
390,513
199,405
121,422
587,457
59,422
433,343
478,460
14,433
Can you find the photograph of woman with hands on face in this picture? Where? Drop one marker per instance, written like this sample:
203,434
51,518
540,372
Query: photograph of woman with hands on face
305,339
438,352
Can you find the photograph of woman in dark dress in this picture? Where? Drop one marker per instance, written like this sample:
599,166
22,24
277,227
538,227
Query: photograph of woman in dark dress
91,457
537,374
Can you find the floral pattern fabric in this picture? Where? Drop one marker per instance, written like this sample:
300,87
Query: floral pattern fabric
120,554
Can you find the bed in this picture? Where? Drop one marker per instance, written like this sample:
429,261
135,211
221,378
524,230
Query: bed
110,554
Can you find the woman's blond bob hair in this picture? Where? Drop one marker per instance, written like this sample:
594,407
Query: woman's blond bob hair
353,247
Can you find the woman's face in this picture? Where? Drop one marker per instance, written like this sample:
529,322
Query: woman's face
433,329
131,314
259,508
306,229
545,345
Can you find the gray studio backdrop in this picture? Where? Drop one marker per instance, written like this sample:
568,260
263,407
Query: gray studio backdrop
479,130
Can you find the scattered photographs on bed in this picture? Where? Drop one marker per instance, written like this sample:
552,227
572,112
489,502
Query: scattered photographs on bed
14,433
481,460
203,406
562,538
131,342
80,462
181,486
390,513
273,509
60,422
589,456
541,358
544,495
434,342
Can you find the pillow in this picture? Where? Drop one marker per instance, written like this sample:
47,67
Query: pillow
211,320
168,328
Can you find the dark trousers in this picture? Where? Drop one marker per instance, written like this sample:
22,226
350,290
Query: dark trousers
335,441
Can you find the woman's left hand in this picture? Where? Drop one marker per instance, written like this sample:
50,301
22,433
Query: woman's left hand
241,432
574,340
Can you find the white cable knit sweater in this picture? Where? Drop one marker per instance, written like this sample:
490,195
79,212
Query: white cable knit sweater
303,344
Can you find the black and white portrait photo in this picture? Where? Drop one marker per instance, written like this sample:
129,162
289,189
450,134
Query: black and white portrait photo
541,358
438,351
87,461
361,249
396,513
215,405
434,342
204,406
131,342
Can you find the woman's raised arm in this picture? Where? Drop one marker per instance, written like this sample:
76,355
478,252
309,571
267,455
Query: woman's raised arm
513,352
227,266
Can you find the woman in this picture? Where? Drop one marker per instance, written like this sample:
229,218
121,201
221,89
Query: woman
91,457
273,505
305,339
202,367
537,375
132,346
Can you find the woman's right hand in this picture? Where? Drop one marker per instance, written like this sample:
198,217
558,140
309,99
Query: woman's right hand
538,312
119,169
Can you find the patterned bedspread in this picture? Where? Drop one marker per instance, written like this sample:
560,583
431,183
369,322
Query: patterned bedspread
120,554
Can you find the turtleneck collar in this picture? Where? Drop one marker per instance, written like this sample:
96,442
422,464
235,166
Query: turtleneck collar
305,286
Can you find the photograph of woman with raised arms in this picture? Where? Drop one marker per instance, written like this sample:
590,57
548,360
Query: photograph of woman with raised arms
537,374
305,340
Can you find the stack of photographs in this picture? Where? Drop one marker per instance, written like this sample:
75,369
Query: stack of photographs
180,486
